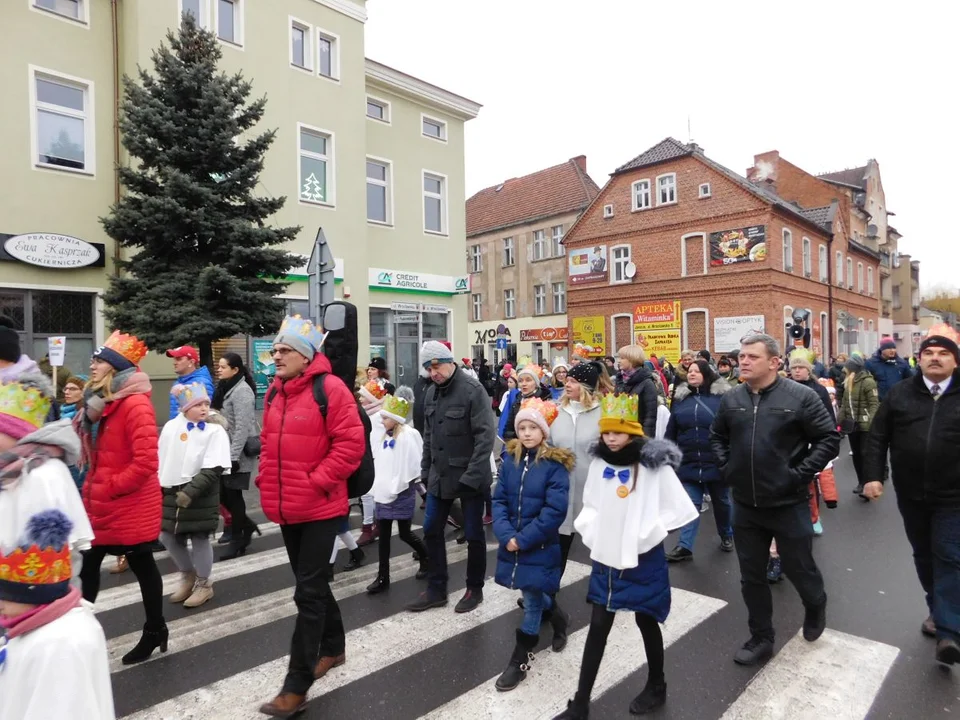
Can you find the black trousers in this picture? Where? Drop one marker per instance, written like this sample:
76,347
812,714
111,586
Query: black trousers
858,442
566,541
406,534
753,529
232,500
144,567
319,629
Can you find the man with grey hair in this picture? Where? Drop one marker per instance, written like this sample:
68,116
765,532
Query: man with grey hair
771,437
458,434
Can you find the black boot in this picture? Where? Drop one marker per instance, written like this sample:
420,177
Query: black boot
381,584
424,570
653,696
577,709
356,559
149,641
520,661
240,543
559,621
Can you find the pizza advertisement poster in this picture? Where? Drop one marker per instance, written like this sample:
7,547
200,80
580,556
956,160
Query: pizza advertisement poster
729,247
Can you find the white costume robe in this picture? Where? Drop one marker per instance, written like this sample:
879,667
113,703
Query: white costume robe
396,466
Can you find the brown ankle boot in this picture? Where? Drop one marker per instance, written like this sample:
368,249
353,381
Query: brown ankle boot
327,664
367,536
284,705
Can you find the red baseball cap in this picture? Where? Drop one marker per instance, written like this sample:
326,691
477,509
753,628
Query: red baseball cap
185,351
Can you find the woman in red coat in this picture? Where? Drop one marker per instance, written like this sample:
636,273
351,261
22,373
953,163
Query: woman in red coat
118,430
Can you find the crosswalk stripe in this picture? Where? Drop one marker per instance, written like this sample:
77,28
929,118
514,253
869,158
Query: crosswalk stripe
552,679
220,622
836,677
369,649
129,593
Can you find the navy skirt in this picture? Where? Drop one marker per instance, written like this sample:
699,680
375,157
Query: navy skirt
645,588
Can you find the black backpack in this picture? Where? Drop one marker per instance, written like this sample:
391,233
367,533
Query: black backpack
361,480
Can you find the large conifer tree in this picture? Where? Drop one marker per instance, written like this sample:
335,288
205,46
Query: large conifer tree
206,262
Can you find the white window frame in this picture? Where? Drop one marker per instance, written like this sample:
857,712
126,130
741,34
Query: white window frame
307,30
88,116
444,204
849,273
675,193
331,200
509,252
436,121
556,241
822,263
476,258
558,290
634,204
509,303
476,303
683,252
334,40
386,105
705,191
538,248
204,19
539,299
388,183
860,277
787,246
870,285
619,265
806,255
838,262
239,12
83,13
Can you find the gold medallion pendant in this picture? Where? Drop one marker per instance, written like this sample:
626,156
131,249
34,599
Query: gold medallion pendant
183,437
623,491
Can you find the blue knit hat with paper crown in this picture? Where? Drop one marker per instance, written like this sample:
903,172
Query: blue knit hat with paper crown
190,395
300,334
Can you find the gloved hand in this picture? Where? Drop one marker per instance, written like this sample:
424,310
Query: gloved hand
235,467
183,500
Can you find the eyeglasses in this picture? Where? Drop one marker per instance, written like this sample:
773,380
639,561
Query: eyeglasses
282,352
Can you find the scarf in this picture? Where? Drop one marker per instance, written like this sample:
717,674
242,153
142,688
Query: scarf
24,458
223,387
126,383
626,456
43,615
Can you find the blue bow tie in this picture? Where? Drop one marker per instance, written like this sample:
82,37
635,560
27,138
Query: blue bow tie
3,651
199,426
623,476
389,444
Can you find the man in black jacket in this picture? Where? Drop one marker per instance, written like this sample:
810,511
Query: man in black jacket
771,437
919,423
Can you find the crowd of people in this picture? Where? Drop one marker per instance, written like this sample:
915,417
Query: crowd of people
615,453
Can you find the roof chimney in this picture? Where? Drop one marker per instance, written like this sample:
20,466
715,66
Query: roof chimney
581,161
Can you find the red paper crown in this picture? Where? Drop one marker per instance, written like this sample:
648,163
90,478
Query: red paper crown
34,566
129,346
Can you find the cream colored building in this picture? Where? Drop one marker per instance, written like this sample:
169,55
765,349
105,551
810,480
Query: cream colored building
373,156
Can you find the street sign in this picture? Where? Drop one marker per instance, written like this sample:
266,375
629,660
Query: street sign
406,318
320,269
501,343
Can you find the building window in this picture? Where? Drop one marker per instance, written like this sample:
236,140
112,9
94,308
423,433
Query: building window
378,109
510,303
197,8
230,21
557,241
667,189
378,191
68,8
822,263
870,280
508,258
807,258
896,297
849,273
64,122
539,245
328,55
316,162
433,128
859,277
838,270
539,299
477,305
300,54
621,257
705,191
37,315
559,298
434,203
787,251
641,195
476,258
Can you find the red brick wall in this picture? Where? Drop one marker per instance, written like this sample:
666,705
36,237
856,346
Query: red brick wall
623,334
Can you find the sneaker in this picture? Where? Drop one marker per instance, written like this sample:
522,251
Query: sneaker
488,519
817,528
726,544
706,497
679,554
948,652
814,621
929,627
754,651
471,598
426,601
773,569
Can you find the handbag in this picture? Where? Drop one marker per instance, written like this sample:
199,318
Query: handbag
849,424
252,447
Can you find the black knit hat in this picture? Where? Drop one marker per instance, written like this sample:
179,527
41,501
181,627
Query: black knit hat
586,374
379,363
9,340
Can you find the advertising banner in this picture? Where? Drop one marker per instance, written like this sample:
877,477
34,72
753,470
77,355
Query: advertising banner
591,333
727,331
730,247
588,265
662,343
549,334
657,316
263,368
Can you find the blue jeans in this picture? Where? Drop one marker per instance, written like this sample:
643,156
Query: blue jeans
535,603
934,533
433,525
720,495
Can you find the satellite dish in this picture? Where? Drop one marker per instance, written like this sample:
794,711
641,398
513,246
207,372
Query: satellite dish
630,270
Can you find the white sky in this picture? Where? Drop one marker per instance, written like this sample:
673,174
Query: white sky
828,84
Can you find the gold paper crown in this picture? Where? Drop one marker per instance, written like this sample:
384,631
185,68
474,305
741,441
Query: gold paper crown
622,408
24,403
547,409
36,566
129,346
803,354
296,325
396,407
944,330
532,369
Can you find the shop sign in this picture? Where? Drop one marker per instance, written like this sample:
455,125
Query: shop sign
50,250
590,332
727,331
588,265
662,343
418,282
548,334
492,334
657,315
730,247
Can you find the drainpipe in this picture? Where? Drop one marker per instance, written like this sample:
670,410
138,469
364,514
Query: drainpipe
116,121
828,330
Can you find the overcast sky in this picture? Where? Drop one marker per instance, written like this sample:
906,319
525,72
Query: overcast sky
828,84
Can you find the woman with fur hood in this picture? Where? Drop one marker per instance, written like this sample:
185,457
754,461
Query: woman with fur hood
695,404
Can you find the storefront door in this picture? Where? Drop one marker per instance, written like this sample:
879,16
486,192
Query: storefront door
407,352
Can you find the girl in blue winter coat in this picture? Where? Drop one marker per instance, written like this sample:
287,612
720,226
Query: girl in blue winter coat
631,500
528,509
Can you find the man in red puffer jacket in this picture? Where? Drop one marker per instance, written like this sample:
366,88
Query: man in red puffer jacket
304,465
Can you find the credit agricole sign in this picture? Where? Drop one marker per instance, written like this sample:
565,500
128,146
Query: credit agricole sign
400,280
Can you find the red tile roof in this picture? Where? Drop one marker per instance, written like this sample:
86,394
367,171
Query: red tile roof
557,190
